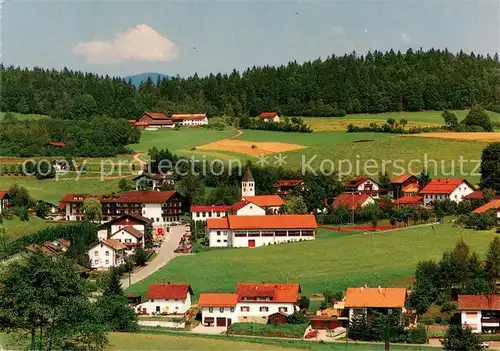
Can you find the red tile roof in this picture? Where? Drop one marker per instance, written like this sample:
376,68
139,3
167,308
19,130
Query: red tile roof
286,182
208,208
240,204
478,195
351,201
127,219
217,300
131,230
56,143
409,200
492,205
402,178
217,223
266,200
442,186
479,302
64,242
156,115
354,183
3,194
188,116
168,291
125,197
52,246
269,114
283,293
375,297
114,244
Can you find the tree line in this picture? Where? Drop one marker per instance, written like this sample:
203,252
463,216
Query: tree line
352,83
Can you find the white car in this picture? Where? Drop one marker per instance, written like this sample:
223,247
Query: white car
485,345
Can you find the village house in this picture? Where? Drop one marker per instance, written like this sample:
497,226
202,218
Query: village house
352,201
285,187
409,201
454,189
105,230
49,248
255,231
153,120
162,207
149,181
271,116
367,300
493,205
190,119
363,185
272,204
130,237
4,199
252,303
404,185
62,244
166,299
480,312
107,254
241,208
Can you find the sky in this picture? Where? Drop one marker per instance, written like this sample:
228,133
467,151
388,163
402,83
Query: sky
121,38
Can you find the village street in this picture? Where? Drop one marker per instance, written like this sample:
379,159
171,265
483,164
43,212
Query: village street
165,254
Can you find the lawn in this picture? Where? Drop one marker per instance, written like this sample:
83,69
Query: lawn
269,330
15,228
52,190
387,259
22,116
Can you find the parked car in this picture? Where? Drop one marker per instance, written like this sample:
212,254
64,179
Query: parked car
156,244
485,345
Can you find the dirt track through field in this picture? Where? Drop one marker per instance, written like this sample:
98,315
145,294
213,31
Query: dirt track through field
250,148
466,136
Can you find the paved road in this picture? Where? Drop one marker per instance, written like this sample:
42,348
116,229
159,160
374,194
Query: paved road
165,254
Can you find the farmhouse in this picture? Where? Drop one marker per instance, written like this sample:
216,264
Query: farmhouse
404,185
162,207
270,203
493,205
4,199
480,312
130,237
454,189
252,303
352,201
166,299
254,231
363,185
374,299
106,229
106,254
271,116
190,120
241,208
50,248
149,181
409,201
154,120
285,187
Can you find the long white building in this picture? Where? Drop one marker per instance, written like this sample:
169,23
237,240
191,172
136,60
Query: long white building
166,299
454,189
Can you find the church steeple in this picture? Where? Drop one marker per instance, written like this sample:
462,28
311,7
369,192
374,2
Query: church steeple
247,183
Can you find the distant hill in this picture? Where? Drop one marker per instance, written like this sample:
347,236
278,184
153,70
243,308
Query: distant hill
137,79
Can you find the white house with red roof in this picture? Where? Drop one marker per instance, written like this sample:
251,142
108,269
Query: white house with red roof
105,230
4,199
269,116
374,299
130,237
251,303
241,208
190,119
107,254
363,185
454,189
162,207
153,120
166,299
352,201
493,205
480,312
255,231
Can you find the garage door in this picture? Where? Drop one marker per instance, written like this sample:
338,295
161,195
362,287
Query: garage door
221,322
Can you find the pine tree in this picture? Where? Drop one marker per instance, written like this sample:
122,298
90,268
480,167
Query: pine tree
113,285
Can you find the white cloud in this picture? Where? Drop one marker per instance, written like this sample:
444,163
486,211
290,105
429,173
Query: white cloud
405,37
339,30
141,43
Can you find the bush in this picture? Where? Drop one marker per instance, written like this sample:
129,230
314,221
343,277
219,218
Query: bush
297,318
8,213
417,335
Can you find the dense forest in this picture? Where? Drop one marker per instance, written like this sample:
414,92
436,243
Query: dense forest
375,82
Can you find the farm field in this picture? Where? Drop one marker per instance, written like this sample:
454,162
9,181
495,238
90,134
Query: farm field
15,228
387,259
422,119
22,116
480,137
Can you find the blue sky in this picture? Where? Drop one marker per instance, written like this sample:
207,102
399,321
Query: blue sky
125,37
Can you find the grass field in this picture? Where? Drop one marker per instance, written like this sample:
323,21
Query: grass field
22,116
15,228
387,259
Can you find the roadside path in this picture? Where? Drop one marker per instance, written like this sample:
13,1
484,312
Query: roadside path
137,158
239,132
165,255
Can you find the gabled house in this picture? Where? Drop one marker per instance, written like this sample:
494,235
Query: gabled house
166,299
367,300
352,201
252,303
270,116
154,120
454,189
130,237
270,203
362,185
105,230
480,312
107,254
153,181
63,244
409,201
493,205
285,187
404,185
4,199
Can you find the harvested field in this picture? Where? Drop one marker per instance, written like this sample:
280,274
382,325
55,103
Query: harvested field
339,124
250,148
482,136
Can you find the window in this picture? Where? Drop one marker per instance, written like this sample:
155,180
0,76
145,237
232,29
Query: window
107,253
151,300
157,219
107,261
221,310
218,240
232,309
210,309
96,253
158,309
218,232
96,262
245,309
225,240
283,309
263,309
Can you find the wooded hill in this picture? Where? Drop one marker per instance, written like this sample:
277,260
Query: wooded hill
376,82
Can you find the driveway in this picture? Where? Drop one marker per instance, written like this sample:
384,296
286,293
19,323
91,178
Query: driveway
165,254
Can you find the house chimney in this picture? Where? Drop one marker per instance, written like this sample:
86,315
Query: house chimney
361,289
380,289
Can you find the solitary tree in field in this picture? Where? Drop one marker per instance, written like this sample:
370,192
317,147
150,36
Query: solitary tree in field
92,209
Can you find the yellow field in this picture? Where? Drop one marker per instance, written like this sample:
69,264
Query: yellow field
250,148
333,124
482,136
